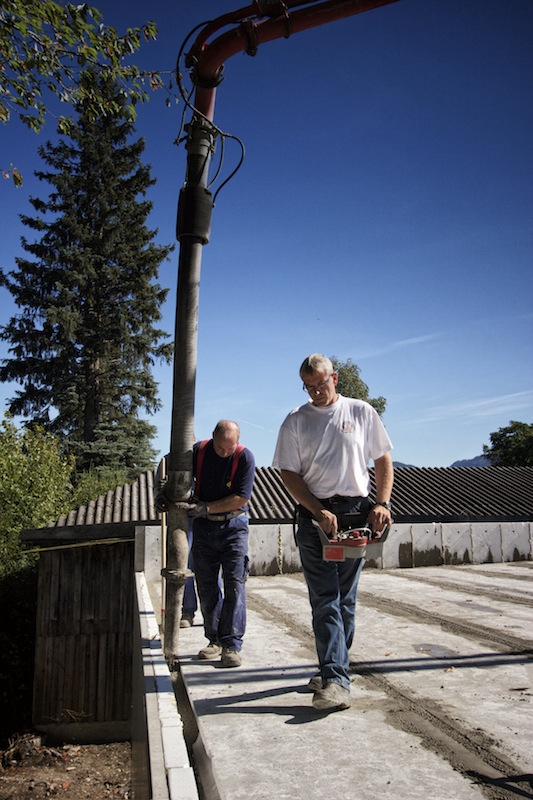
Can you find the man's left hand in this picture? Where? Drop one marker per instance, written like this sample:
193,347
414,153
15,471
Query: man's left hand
379,518
198,509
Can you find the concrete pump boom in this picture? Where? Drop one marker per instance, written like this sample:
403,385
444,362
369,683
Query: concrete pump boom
261,21
275,21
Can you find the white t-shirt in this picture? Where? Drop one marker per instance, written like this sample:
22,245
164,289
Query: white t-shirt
331,447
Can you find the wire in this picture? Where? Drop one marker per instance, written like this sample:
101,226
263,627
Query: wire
237,168
196,112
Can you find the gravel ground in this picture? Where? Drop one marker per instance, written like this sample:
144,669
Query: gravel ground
30,770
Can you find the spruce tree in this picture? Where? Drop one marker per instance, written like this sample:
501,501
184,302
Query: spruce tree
84,343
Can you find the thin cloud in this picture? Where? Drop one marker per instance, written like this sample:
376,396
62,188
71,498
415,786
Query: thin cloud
253,425
400,344
479,408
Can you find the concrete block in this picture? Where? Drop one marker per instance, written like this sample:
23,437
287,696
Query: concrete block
390,557
486,543
428,546
263,549
167,707
152,557
174,747
291,554
457,543
182,784
516,541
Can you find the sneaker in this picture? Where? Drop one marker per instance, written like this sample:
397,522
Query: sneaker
186,621
315,683
230,658
333,695
211,651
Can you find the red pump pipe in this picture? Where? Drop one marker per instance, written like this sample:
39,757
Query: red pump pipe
208,59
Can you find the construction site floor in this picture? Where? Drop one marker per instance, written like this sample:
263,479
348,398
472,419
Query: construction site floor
442,692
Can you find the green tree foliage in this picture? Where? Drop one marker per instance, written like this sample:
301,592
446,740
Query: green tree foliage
34,487
93,483
511,446
84,343
352,385
44,46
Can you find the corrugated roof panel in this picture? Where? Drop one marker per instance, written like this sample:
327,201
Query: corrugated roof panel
99,510
117,504
420,494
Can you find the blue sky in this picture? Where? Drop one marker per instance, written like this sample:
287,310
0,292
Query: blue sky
383,213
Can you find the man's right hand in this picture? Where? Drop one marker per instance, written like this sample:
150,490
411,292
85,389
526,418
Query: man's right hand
327,521
162,503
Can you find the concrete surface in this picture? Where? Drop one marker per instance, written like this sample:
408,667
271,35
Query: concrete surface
442,692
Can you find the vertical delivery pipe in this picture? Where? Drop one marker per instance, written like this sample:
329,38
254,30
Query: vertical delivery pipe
193,230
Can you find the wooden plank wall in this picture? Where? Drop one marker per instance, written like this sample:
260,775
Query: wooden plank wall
83,654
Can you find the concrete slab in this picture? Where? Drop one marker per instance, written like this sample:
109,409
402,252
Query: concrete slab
436,712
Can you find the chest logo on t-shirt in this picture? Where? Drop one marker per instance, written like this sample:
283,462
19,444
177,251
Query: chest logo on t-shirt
348,426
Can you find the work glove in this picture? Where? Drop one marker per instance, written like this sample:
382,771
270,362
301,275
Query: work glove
162,503
197,509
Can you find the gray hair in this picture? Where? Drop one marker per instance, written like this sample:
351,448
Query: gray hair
316,362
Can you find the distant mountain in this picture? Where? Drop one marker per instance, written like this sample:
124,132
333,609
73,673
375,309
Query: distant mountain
478,461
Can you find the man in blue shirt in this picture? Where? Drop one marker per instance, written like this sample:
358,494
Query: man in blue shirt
224,473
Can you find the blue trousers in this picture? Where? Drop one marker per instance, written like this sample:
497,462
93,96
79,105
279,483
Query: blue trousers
190,602
332,587
222,547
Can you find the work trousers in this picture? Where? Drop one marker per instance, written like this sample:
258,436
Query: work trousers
222,547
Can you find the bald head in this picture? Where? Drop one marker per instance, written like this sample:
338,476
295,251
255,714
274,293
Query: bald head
226,437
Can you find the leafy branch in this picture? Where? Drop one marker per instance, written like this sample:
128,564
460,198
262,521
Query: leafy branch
46,47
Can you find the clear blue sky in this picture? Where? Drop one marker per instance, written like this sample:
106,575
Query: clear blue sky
383,213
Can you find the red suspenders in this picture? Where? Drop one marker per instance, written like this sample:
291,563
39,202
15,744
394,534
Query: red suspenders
200,460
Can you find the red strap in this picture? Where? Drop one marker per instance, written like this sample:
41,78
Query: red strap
235,462
200,461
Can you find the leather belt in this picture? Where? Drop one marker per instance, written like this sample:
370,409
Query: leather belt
338,498
225,517
328,502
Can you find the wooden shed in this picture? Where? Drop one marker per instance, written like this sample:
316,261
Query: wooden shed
84,638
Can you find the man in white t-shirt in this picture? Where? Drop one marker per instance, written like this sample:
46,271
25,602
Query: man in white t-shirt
323,451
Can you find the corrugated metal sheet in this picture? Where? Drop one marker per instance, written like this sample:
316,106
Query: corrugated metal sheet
452,494
133,502
421,494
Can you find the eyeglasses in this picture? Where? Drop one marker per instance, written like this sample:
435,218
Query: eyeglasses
319,387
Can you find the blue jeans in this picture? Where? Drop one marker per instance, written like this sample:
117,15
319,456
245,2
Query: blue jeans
222,546
332,587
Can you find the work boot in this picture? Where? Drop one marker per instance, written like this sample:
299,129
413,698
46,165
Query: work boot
333,695
211,651
186,621
230,658
315,683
